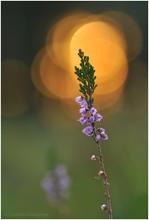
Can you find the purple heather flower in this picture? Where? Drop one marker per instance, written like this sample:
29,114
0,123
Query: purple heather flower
79,99
84,104
47,183
101,129
93,111
104,135
92,119
98,117
83,111
57,183
64,182
49,186
83,120
98,137
60,170
88,130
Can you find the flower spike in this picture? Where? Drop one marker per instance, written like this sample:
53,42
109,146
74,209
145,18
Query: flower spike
90,116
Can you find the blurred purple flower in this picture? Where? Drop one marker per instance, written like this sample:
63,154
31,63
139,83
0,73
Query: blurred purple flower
64,182
60,170
48,185
57,183
88,131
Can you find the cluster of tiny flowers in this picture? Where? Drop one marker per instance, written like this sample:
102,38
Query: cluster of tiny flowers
56,183
94,116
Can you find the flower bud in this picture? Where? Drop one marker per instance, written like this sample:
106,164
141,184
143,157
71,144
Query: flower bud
97,138
88,130
82,111
101,173
93,157
93,111
103,207
79,99
84,104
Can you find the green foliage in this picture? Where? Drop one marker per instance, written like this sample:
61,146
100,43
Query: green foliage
86,77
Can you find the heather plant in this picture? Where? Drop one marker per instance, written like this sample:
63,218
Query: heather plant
90,117
56,184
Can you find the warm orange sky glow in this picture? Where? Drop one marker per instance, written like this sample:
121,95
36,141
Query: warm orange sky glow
104,38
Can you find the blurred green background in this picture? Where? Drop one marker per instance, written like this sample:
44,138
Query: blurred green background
35,141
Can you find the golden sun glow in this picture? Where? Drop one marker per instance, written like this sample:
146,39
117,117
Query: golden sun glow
102,38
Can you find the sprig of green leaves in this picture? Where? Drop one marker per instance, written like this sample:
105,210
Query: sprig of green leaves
86,77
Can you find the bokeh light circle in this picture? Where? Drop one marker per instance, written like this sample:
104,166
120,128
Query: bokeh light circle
107,56
131,31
